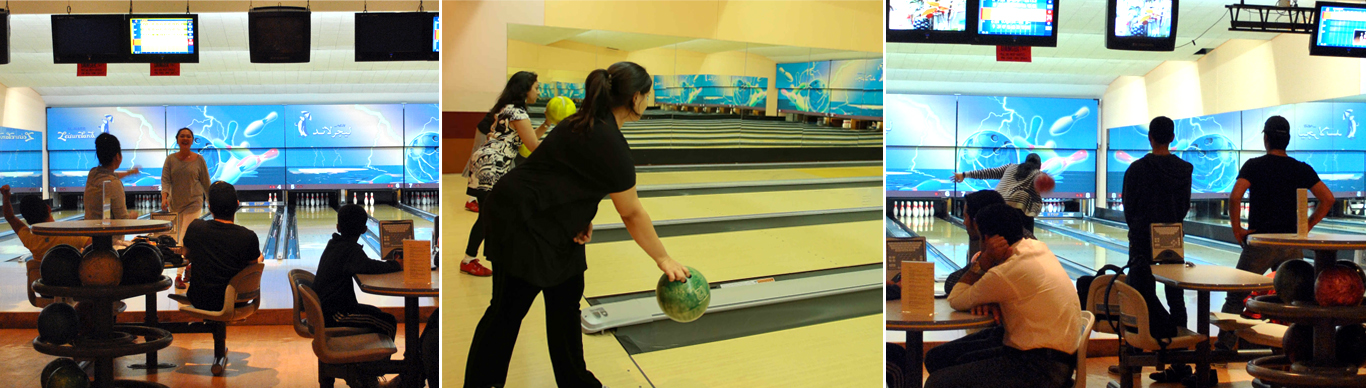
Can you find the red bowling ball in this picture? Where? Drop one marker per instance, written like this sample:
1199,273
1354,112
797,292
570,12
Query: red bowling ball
1044,183
1339,285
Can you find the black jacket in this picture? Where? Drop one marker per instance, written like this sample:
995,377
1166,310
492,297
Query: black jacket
1157,189
341,260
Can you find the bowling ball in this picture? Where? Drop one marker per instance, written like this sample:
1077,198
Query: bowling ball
423,157
141,264
68,376
1294,281
558,108
1215,167
101,267
683,301
1354,267
1044,183
58,324
1351,344
1298,342
1339,285
61,266
52,367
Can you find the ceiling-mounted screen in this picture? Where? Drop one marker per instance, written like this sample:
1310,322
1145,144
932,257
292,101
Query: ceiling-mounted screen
1341,30
164,38
928,21
396,36
1015,22
1141,25
90,38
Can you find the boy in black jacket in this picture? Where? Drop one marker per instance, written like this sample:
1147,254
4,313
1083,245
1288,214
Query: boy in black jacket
341,261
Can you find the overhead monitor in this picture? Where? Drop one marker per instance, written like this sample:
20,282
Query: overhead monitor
928,21
279,34
1141,25
396,36
1015,22
1341,30
436,34
4,39
164,38
90,38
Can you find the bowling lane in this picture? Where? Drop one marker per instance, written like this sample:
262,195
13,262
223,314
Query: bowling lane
422,229
621,267
950,239
778,174
258,222
837,354
316,226
1331,225
737,204
1212,255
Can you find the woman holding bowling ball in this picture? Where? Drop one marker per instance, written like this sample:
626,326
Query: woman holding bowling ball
539,216
508,127
1016,185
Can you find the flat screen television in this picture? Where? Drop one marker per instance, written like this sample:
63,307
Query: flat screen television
928,21
436,36
1141,25
396,36
90,38
1340,31
4,39
1014,22
163,38
279,34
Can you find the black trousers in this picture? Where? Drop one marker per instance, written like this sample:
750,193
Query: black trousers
364,316
494,338
476,231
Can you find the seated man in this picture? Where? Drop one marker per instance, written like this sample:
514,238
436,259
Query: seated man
219,249
342,260
35,211
110,155
1039,310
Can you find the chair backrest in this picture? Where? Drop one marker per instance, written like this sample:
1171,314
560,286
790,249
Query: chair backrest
34,274
297,277
244,290
1104,313
313,308
1134,316
1087,320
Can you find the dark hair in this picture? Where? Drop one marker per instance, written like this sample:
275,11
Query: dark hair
1000,220
351,220
1161,130
978,200
223,200
513,94
106,148
33,209
177,132
607,89
1029,166
1277,130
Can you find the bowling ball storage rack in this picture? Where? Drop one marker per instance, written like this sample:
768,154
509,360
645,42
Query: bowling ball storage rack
104,341
1322,369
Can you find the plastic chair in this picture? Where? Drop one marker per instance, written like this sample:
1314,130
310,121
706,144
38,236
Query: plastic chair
1105,315
1141,349
301,327
1087,321
241,299
350,357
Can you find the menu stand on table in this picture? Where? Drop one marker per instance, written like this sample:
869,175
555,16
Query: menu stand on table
1322,370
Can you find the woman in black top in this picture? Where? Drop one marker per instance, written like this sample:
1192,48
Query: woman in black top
540,214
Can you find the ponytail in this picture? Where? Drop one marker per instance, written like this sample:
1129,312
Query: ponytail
607,89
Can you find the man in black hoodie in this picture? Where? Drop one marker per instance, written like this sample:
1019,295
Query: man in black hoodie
1157,189
342,260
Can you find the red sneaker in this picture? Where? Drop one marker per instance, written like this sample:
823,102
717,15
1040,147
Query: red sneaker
474,268
180,284
472,206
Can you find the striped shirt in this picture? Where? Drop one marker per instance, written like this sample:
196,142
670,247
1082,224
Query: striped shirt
1018,193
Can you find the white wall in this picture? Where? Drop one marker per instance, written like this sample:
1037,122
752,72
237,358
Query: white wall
23,108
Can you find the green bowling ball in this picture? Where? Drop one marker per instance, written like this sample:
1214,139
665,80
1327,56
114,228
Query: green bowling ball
684,301
58,323
68,376
52,367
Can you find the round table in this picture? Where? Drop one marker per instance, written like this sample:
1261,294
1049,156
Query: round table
394,284
915,324
1322,369
107,341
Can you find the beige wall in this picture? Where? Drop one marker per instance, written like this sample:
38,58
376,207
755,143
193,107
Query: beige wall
475,50
1238,75
23,108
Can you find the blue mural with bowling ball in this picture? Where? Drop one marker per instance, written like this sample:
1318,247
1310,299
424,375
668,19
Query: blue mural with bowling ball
850,88
382,145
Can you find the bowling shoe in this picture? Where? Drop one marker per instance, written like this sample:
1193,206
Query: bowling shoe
472,206
474,268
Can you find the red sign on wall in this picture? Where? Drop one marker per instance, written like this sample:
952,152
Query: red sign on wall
92,69
166,69
1013,54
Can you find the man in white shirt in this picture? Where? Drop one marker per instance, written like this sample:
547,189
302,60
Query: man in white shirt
1038,309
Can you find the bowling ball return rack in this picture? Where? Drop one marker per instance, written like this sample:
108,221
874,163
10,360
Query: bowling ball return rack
104,341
